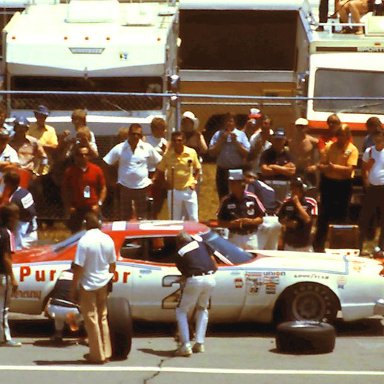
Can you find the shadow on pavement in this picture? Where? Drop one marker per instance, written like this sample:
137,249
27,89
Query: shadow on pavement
158,353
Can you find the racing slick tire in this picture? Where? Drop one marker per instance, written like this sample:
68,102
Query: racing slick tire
305,337
307,301
120,327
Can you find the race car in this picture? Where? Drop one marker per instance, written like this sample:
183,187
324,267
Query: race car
259,286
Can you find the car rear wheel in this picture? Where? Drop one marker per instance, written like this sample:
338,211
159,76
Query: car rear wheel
304,337
307,301
120,327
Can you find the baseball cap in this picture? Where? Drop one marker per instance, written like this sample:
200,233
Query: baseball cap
191,116
235,174
42,110
254,113
21,121
301,121
279,133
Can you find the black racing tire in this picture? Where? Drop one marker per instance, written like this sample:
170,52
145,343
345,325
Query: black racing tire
120,327
307,301
305,337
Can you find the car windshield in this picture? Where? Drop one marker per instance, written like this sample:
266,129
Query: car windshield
234,254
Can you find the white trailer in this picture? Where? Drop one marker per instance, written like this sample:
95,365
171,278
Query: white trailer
91,46
347,66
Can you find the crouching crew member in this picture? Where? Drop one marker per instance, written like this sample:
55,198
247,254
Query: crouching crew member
197,267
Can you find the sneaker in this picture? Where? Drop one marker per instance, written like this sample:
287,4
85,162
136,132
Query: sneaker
198,348
10,343
184,350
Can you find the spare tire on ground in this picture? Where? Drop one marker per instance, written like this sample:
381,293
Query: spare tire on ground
305,337
120,327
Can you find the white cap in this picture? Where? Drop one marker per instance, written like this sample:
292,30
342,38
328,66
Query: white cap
254,113
236,174
191,116
301,121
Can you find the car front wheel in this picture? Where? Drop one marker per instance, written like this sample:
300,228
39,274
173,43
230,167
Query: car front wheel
307,301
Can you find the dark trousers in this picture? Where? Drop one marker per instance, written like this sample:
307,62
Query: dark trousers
334,202
222,182
323,11
76,219
373,202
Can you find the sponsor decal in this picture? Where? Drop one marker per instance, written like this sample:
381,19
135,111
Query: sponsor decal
311,276
341,281
44,275
28,294
239,283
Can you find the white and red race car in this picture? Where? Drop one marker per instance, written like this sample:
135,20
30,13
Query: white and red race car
260,286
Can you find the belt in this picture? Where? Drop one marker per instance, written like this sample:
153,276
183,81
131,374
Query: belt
202,274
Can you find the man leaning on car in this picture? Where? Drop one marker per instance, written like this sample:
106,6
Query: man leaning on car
197,267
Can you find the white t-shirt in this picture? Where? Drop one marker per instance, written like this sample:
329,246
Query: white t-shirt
95,251
158,143
376,174
133,166
9,154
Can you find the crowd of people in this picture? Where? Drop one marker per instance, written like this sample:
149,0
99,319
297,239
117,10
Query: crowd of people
268,180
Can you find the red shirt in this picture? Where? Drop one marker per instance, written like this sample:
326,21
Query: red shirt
83,187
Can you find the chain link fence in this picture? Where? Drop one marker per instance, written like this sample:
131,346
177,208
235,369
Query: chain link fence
107,112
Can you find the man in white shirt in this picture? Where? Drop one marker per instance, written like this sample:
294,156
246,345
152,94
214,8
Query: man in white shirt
134,158
373,179
95,264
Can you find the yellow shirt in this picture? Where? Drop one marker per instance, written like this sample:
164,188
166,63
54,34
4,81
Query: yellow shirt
185,164
45,136
347,156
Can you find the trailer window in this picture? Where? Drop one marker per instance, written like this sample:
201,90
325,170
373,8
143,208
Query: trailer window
99,84
238,39
347,83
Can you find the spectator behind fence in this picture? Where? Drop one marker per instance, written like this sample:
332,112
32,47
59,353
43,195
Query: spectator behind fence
193,137
32,156
44,133
373,179
231,148
180,166
3,116
372,125
134,158
333,124
276,165
337,164
260,141
304,151
355,8
160,143
83,189
297,214
26,230
79,120
8,158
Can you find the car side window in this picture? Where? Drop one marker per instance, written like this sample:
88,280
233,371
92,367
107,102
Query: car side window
163,250
134,249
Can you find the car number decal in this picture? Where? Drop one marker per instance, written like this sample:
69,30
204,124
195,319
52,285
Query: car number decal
172,300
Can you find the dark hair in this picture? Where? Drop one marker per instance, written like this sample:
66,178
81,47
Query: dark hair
228,116
12,177
134,125
343,129
177,134
7,212
333,117
373,122
92,220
